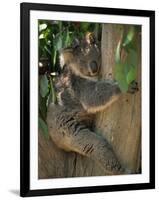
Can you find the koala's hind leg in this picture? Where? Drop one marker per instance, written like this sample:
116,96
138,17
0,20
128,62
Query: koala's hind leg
94,146
72,135
76,137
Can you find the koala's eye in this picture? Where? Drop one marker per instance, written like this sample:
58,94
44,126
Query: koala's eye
78,48
85,50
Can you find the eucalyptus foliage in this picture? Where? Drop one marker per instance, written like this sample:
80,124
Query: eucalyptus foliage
126,68
53,36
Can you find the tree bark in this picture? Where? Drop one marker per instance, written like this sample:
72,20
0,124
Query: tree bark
120,124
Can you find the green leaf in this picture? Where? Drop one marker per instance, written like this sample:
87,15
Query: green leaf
117,53
49,99
60,26
131,76
42,106
42,27
43,127
132,57
58,43
52,92
43,85
122,82
129,37
41,36
54,59
120,77
47,49
67,39
47,32
84,26
71,38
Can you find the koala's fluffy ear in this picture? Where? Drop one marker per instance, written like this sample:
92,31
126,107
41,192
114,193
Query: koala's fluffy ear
66,56
90,38
61,59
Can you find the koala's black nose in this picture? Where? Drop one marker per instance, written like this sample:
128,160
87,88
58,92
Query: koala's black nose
94,67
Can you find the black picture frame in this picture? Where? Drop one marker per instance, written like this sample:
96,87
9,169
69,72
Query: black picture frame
25,9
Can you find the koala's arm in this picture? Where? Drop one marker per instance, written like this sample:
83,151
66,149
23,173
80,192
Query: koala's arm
96,96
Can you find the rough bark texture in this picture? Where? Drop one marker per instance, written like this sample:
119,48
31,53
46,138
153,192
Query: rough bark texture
120,124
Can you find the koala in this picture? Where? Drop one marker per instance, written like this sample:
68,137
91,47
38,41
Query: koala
80,96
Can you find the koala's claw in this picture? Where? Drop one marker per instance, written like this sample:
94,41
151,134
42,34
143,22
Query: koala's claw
133,87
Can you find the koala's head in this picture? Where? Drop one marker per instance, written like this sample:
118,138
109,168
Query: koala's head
84,58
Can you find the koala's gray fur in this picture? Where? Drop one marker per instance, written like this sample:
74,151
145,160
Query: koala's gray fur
80,97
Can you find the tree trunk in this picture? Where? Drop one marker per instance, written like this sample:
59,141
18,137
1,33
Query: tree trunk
120,124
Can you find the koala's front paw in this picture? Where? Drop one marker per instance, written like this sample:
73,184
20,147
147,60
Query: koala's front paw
133,87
